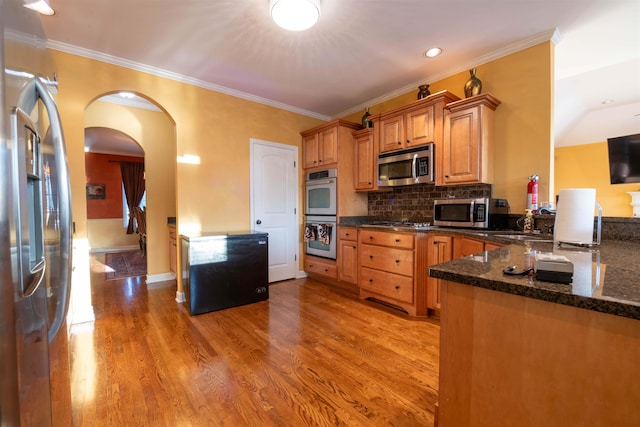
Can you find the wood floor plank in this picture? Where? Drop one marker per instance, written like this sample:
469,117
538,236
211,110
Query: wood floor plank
313,355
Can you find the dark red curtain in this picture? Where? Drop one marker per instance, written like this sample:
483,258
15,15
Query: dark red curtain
133,181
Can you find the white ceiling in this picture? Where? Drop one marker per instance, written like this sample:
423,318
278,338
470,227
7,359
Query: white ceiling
364,51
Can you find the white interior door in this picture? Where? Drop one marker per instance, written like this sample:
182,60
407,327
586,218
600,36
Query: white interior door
274,201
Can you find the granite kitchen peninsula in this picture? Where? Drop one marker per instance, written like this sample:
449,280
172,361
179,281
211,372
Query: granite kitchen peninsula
519,351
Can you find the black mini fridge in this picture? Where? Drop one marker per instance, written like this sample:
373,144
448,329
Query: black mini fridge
222,270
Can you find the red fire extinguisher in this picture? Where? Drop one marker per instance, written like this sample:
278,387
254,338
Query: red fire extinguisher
532,193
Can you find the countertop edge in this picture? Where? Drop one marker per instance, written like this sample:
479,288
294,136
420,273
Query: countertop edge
601,305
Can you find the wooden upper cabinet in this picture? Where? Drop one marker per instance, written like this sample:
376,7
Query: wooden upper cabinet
419,125
329,147
321,148
311,151
321,145
414,124
365,161
466,154
407,128
391,133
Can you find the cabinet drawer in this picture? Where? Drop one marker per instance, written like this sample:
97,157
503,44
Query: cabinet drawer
321,267
348,233
398,261
386,238
387,284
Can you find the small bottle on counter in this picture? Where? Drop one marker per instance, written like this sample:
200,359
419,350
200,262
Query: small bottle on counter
528,221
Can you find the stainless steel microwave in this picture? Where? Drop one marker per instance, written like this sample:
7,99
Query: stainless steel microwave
471,213
406,167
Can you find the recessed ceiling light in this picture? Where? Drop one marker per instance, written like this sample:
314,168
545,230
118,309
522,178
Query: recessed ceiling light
433,52
608,101
127,95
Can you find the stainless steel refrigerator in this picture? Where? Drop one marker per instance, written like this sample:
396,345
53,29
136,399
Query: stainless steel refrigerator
35,228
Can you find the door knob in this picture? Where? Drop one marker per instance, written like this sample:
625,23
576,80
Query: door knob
259,222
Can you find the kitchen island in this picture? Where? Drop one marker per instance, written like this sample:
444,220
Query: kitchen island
518,351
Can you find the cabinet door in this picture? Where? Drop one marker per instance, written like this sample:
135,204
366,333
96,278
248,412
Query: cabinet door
391,133
461,148
420,126
469,247
365,169
311,148
329,147
439,250
348,261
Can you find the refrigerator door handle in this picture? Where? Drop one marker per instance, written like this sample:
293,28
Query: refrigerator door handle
38,272
38,85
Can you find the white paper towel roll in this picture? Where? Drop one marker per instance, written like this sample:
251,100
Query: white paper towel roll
575,215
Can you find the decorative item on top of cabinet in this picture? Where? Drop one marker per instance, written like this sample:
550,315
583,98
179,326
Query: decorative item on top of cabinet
466,154
417,123
366,123
439,250
392,269
365,161
320,145
473,86
423,91
348,254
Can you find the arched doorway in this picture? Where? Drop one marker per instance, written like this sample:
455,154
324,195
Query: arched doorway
154,131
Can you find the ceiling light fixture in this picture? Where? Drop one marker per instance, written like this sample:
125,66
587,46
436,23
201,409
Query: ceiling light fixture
433,52
127,95
295,15
40,6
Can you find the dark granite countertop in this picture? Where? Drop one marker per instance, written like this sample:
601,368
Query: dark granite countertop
606,279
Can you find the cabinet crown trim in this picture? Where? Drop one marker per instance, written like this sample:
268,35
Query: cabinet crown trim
332,123
483,99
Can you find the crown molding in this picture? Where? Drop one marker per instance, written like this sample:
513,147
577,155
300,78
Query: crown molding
548,35
125,63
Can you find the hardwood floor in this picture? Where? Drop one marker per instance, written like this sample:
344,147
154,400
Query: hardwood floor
313,355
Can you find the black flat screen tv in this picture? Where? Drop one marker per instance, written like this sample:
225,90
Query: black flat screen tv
624,159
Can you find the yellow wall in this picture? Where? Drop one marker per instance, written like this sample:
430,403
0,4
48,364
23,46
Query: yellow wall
587,166
523,132
155,133
212,196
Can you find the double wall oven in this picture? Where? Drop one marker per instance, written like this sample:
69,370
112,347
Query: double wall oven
320,213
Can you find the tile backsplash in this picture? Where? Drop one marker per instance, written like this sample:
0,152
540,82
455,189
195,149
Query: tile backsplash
415,202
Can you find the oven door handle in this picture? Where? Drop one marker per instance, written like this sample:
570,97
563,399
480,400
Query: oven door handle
323,182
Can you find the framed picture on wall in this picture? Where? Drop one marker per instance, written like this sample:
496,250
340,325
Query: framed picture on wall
95,191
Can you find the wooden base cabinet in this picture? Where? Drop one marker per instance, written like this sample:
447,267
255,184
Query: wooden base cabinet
321,266
439,250
393,269
348,254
